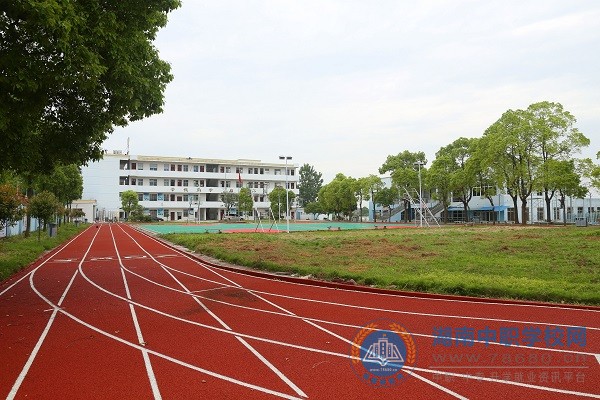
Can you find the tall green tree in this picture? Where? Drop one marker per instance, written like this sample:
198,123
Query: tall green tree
309,184
405,175
509,148
129,202
387,197
65,181
229,199
461,169
277,197
72,71
44,206
439,182
245,201
566,181
557,139
374,184
338,196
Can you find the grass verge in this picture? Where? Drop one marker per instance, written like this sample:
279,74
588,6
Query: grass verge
556,264
17,252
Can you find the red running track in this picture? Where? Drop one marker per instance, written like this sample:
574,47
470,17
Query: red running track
116,314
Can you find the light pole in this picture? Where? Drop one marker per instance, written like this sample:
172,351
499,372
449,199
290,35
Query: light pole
419,164
287,201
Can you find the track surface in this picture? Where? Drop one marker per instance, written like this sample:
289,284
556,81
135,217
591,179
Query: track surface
115,314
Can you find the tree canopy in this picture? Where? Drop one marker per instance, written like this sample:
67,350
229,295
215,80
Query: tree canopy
309,185
73,70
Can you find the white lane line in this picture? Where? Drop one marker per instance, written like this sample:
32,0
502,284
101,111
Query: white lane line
44,262
451,316
283,395
598,358
290,313
164,356
479,303
256,353
555,350
136,324
437,385
38,345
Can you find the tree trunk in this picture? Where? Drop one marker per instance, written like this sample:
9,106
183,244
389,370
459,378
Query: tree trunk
524,211
548,198
516,208
29,194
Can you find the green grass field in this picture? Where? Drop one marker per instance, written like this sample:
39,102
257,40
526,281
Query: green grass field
17,252
557,264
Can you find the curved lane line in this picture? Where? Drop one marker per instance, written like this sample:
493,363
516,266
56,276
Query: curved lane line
192,294
248,346
261,339
161,355
38,345
44,262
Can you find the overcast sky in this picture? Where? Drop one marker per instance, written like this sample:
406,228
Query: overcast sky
342,84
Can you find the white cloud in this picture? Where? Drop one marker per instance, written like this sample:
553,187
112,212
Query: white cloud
342,84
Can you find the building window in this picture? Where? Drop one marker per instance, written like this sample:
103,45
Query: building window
250,170
166,167
140,182
172,182
196,184
540,213
153,197
179,198
202,183
556,213
140,166
153,167
179,167
228,170
202,168
133,165
153,182
166,182
195,168
239,170
186,182
140,196
185,168
172,167
277,172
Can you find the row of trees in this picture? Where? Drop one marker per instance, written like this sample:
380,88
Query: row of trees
53,191
523,151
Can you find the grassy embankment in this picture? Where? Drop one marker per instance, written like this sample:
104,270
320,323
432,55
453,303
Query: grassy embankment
558,264
17,252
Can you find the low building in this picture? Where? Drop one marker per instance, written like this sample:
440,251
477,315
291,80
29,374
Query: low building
495,208
181,188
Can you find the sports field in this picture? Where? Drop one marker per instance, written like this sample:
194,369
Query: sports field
266,227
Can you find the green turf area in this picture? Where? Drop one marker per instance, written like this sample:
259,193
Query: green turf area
558,264
17,252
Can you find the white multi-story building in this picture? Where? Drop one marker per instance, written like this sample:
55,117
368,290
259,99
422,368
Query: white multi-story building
181,188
